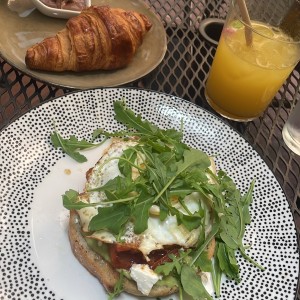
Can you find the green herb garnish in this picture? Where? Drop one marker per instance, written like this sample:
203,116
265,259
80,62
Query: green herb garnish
118,289
71,146
168,171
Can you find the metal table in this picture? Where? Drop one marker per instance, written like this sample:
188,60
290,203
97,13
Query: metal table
183,73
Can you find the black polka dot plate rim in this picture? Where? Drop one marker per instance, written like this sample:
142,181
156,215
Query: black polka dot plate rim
36,258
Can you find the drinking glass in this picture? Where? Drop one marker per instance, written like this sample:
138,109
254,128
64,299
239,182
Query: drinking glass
253,59
291,130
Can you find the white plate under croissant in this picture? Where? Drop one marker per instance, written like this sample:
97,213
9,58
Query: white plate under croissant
21,33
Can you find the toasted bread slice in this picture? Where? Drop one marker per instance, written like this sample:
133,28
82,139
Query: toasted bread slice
100,268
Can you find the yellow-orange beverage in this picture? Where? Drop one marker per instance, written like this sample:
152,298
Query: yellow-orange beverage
244,79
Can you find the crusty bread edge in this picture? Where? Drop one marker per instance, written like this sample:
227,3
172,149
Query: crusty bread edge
100,268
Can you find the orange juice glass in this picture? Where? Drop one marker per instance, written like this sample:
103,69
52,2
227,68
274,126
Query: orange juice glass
243,78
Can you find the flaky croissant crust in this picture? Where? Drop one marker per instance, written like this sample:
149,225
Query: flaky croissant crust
99,38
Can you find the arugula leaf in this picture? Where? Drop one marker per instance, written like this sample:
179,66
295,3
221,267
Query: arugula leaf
159,139
159,174
119,187
231,213
193,158
196,177
190,281
71,145
248,258
164,211
197,252
216,273
233,222
125,165
174,265
174,135
167,268
141,213
227,261
204,263
246,201
110,218
192,284
128,118
190,222
155,143
71,200
99,132
118,288
229,235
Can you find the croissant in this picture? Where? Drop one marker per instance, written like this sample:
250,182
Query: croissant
99,38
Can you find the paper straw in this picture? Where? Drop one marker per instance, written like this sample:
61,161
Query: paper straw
246,19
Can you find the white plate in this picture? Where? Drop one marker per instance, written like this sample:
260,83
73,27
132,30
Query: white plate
57,12
36,259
